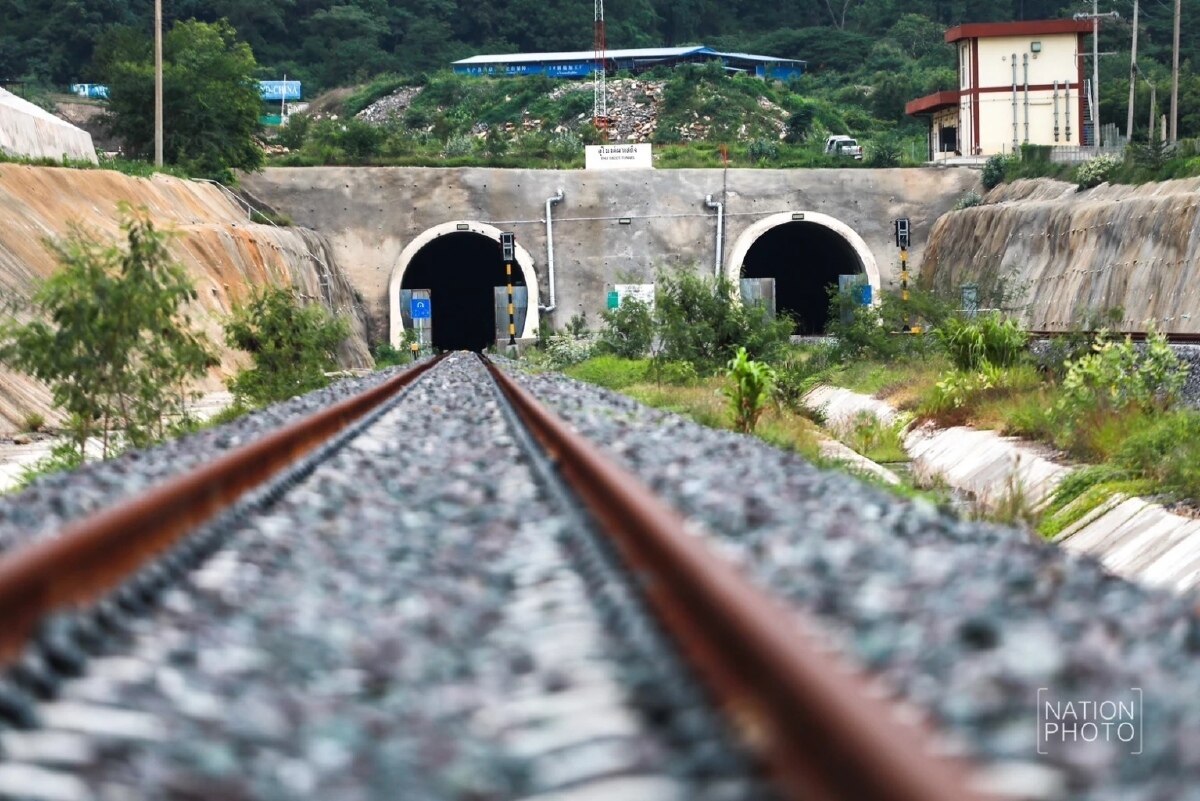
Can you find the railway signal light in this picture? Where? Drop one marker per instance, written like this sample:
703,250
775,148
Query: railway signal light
902,232
508,247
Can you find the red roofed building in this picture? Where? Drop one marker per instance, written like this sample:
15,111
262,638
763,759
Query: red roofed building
1019,83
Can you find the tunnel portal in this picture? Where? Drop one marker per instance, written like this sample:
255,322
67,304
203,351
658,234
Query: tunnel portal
805,259
461,271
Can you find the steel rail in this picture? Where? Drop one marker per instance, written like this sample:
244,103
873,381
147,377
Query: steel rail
1136,336
93,555
820,726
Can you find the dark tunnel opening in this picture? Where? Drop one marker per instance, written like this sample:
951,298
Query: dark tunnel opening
461,271
804,258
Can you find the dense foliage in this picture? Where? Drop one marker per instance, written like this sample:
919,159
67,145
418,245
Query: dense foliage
111,338
209,91
871,55
291,344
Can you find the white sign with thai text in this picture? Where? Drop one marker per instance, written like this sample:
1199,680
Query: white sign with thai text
619,157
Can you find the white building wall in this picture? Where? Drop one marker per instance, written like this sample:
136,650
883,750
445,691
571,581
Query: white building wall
1058,60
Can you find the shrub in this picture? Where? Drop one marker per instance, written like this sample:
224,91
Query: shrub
869,436
800,123
680,374
1167,451
33,422
967,201
885,151
993,171
459,145
293,134
762,150
628,330
988,339
800,371
292,346
63,456
749,389
1118,375
118,351
1094,172
563,351
702,321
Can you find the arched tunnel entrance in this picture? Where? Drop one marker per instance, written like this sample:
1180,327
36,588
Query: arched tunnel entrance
805,254
461,272
460,265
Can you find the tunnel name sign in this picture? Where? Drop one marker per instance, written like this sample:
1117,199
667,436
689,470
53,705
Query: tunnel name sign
422,308
619,157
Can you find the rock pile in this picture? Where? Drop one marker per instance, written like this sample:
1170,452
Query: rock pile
390,108
633,112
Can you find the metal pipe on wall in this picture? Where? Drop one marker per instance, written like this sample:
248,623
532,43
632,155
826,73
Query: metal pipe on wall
1025,66
1014,101
1056,111
550,203
1067,109
720,207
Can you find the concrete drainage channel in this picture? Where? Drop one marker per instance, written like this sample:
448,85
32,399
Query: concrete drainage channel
1134,538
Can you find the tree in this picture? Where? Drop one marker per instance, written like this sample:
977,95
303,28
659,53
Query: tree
210,98
112,340
292,346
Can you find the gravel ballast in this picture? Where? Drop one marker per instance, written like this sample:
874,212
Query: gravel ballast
410,621
966,619
54,500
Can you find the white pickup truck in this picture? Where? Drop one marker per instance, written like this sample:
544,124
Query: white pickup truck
843,146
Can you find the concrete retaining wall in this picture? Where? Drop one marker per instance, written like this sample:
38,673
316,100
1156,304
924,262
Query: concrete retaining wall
371,213
1063,254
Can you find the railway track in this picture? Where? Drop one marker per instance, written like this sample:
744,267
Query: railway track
119,671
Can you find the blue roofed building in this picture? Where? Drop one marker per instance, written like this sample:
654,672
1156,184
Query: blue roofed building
582,63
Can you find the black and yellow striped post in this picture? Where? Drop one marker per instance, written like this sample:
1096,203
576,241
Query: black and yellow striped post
902,241
508,249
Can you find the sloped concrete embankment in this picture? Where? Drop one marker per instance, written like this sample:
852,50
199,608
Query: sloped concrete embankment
1132,537
225,255
1063,254
27,130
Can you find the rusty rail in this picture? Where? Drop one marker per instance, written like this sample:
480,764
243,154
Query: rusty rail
1173,338
93,555
820,729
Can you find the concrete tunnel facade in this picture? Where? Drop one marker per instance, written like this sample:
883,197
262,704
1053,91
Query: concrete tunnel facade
619,226
456,228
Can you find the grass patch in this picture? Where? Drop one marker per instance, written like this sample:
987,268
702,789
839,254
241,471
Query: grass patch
612,372
878,441
1083,491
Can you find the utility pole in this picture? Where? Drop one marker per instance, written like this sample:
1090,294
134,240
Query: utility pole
1133,70
1175,79
158,85
1095,18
